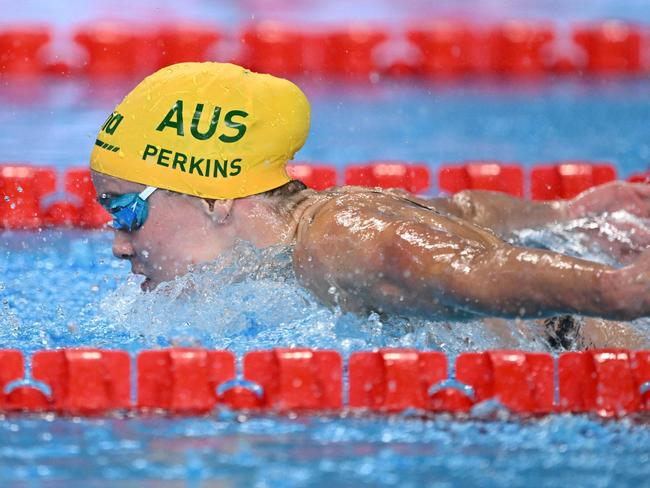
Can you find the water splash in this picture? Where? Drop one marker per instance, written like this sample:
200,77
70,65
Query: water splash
596,238
611,238
250,299
64,289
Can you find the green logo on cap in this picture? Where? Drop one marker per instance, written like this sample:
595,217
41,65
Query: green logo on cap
174,120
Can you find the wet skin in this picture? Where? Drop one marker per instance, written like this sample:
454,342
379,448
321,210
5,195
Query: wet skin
172,238
386,251
380,251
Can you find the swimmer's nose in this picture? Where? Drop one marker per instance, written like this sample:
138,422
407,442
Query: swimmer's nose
122,247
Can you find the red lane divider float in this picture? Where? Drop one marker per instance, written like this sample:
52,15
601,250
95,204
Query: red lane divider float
351,51
182,380
413,178
185,41
639,178
522,382
436,48
452,48
20,202
24,191
401,379
296,379
91,214
192,381
605,382
568,179
484,175
12,369
286,50
318,177
21,49
394,380
611,47
123,50
85,381
81,382
27,192
58,213
517,48
110,49
448,49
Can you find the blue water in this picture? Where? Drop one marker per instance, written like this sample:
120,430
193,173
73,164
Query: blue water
63,288
229,13
56,123
557,451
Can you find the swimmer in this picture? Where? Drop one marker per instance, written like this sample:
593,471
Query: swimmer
194,158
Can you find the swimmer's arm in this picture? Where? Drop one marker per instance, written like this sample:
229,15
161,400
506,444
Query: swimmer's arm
503,214
408,267
511,281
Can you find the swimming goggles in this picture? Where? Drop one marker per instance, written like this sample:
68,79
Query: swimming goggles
129,211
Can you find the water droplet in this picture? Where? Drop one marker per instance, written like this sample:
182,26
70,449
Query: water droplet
20,189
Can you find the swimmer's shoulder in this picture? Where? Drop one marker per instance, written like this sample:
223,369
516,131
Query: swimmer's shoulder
334,224
319,211
330,229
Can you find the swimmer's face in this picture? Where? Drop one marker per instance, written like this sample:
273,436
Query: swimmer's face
177,233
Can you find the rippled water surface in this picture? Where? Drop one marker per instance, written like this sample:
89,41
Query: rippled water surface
63,289
434,123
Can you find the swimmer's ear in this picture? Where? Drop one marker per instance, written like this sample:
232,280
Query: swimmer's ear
217,210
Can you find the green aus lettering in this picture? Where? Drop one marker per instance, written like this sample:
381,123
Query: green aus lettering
241,128
232,120
174,119
194,129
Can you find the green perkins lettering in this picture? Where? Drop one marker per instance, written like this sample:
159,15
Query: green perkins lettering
163,156
195,164
223,169
179,160
235,168
150,150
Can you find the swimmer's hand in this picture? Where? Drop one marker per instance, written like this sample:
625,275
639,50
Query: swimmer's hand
621,235
633,198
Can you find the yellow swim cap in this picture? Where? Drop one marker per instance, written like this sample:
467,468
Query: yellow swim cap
212,130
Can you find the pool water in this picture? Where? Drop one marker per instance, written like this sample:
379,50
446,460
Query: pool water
63,288
55,123
225,451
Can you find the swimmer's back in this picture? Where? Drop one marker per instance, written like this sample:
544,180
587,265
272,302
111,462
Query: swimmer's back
345,240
